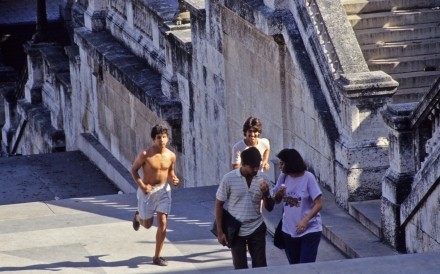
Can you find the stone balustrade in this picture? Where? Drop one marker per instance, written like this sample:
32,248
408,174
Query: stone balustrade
414,166
426,122
324,38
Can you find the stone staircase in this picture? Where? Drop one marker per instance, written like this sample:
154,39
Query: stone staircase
401,38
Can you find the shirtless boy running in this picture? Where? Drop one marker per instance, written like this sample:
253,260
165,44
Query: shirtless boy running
154,194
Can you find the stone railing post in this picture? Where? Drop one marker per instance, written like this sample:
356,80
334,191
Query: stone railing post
94,17
396,184
32,91
362,147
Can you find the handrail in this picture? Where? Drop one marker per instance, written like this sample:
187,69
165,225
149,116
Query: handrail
337,38
337,53
426,114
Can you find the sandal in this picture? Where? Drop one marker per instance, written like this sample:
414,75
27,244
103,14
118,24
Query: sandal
136,224
160,261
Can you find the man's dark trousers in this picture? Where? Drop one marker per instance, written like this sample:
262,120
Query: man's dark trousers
256,244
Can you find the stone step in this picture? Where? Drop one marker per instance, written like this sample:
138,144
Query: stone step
346,233
365,6
368,214
399,33
428,62
416,79
409,95
394,18
371,6
400,49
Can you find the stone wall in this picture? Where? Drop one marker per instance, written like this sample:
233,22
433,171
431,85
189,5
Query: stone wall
239,71
422,231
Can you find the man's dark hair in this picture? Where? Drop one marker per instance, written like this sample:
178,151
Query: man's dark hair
252,124
251,157
159,129
293,162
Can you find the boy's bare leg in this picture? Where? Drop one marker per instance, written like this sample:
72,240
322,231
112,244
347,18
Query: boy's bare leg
161,232
145,223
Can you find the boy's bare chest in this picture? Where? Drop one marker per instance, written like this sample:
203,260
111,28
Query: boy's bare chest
158,162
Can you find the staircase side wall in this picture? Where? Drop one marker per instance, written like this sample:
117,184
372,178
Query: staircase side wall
422,232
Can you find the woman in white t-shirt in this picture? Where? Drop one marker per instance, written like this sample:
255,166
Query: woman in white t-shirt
252,129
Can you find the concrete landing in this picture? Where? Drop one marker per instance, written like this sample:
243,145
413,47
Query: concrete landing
94,235
54,176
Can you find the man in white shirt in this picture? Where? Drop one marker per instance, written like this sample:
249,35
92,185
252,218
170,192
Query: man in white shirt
252,129
243,189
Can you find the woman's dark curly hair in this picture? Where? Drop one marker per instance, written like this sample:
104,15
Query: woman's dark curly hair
293,162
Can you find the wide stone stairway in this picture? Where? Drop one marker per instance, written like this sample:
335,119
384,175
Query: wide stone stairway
401,38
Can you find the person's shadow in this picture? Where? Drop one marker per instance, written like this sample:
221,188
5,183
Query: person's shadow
96,261
93,261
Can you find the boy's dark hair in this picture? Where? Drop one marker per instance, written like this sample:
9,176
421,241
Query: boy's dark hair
252,124
158,129
293,162
251,157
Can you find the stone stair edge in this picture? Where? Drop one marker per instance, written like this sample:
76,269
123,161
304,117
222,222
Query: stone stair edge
368,214
421,57
372,6
393,18
387,29
414,42
415,74
348,234
400,49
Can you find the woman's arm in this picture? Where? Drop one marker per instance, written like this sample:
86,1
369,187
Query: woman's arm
317,206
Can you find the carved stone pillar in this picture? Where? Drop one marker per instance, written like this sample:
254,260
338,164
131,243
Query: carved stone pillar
94,17
396,184
362,148
32,91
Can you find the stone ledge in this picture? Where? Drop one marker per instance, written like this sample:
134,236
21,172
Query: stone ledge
106,162
396,116
367,84
196,7
267,20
